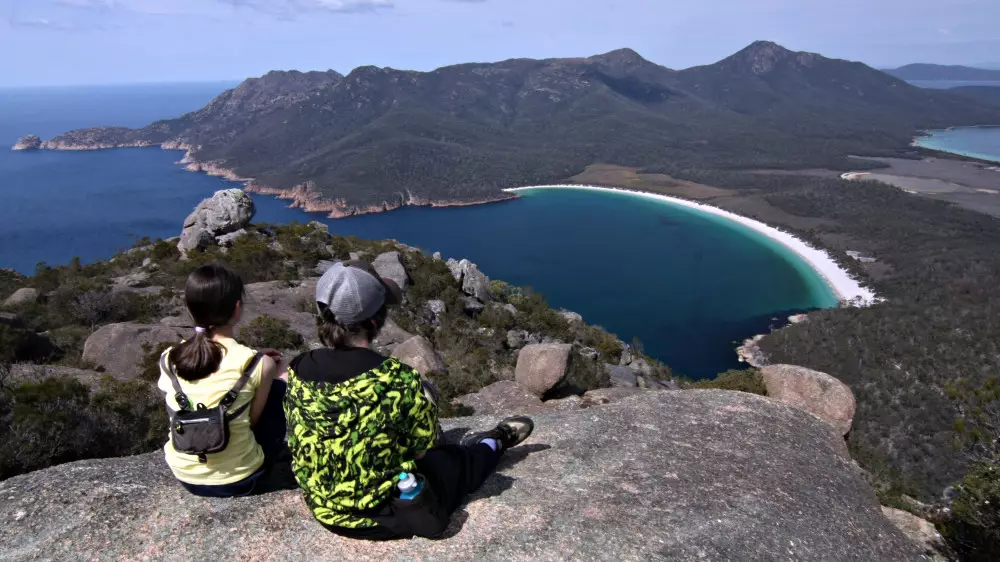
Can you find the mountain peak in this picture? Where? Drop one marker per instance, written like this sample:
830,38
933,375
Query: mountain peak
761,57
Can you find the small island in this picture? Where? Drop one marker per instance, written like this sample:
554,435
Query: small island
29,142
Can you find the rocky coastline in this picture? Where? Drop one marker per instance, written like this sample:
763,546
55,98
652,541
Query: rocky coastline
305,196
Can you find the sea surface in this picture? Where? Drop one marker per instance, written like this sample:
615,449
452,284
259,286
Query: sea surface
948,84
687,284
974,142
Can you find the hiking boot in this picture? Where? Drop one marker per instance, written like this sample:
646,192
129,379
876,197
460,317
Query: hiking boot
508,433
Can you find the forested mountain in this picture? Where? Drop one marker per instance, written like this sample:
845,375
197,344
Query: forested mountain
943,72
381,137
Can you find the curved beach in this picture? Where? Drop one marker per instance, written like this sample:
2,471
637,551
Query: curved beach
847,289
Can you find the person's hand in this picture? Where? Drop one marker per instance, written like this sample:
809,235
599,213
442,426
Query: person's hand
275,354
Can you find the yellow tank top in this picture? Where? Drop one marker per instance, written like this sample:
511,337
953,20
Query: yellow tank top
243,456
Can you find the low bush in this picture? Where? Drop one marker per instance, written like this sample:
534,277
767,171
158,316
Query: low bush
59,420
269,332
748,380
974,531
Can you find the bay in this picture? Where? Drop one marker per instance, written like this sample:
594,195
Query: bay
688,285
974,142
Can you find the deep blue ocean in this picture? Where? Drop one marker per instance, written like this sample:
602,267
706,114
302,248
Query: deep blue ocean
688,285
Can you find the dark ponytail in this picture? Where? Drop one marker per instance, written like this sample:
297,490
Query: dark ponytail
337,335
211,293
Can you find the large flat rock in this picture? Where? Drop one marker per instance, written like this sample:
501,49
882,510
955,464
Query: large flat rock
690,475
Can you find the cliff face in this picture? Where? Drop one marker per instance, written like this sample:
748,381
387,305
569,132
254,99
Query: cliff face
685,475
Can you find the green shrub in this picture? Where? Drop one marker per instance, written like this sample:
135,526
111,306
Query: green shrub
18,344
974,531
606,344
10,281
267,331
59,420
749,380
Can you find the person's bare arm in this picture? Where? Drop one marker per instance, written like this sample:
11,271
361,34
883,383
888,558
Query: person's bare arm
260,396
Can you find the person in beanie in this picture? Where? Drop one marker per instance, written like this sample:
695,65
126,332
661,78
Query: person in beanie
358,421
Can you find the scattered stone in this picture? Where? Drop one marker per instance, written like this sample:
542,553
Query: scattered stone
227,211
621,376
434,310
798,318
920,531
437,256
694,475
516,339
148,263
564,404
228,240
504,398
28,142
628,355
354,256
322,266
589,353
860,257
21,296
134,279
484,331
641,366
390,336
511,309
540,367
457,268
118,347
417,352
475,283
813,391
473,306
389,266
571,317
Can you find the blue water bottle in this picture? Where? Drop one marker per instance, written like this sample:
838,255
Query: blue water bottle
409,485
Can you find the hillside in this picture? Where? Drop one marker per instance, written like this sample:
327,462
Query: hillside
380,138
943,72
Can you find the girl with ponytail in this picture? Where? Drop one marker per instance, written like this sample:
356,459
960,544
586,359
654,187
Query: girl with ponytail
209,365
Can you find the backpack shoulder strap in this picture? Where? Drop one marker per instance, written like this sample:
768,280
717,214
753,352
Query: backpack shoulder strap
179,396
230,396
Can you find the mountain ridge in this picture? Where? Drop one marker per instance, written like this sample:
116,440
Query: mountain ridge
381,138
925,71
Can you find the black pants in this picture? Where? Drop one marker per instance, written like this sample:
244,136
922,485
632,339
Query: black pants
270,435
451,471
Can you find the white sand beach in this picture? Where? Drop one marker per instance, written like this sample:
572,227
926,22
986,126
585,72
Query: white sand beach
847,289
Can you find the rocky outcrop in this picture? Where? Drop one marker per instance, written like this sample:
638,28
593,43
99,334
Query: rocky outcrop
621,376
540,367
502,398
390,266
21,296
288,301
435,310
474,282
751,353
28,372
813,391
419,353
692,475
117,348
29,142
389,337
227,211
920,531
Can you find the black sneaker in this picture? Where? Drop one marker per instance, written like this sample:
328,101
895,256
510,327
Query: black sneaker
508,433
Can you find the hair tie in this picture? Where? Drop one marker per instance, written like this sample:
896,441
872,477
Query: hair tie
199,330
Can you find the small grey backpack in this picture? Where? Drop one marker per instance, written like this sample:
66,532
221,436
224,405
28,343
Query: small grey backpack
203,430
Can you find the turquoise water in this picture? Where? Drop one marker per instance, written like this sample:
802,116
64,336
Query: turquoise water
687,284
974,142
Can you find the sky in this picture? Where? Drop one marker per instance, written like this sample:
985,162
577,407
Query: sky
64,42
